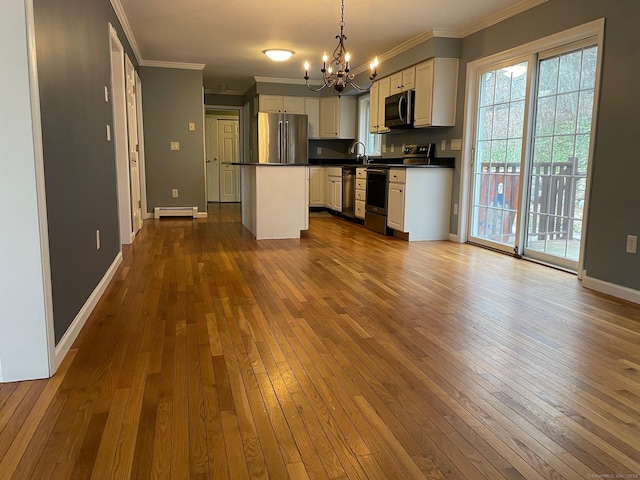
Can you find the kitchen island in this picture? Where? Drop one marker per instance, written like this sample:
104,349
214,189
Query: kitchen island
275,199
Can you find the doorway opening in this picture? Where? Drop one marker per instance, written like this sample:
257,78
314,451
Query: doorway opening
222,147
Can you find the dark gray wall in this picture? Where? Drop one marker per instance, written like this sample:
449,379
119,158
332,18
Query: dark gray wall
172,98
229,100
613,209
72,41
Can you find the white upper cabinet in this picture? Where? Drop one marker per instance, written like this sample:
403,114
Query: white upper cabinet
338,117
379,91
281,104
312,109
436,84
293,104
403,81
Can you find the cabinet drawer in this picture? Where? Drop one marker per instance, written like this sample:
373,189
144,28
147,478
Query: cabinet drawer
334,171
360,195
359,209
361,173
397,175
361,184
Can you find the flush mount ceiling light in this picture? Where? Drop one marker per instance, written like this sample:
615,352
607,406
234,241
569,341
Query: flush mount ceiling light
278,54
340,63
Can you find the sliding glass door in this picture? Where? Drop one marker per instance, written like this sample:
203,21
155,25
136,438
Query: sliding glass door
530,157
560,155
498,155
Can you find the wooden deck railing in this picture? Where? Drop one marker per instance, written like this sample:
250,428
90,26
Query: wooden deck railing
553,193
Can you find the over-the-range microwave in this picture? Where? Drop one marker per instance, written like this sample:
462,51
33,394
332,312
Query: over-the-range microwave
398,110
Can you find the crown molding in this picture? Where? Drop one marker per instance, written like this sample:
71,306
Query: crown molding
124,22
409,44
290,81
179,65
499,16
210,91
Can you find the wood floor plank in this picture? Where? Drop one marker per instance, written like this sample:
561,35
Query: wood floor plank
342,354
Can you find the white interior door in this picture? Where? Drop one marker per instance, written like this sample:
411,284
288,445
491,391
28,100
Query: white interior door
132,130
228,134
213,164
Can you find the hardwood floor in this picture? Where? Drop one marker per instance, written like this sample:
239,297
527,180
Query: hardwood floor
344,354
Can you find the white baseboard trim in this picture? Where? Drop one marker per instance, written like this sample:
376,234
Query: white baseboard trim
619,291
72,332
454,238
203,215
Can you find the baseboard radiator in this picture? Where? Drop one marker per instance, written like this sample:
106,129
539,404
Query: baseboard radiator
175,212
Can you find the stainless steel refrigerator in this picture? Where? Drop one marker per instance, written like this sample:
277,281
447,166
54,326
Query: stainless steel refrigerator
282,138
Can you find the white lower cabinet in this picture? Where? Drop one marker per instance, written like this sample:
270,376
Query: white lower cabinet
316,186
333,188
395,207
361,192
418,202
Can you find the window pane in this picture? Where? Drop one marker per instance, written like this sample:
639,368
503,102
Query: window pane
548,77
569,77
503,86
545,116
589,62
519,82
485,123
582,152
563,148
566,113
585,111
501,121
516,119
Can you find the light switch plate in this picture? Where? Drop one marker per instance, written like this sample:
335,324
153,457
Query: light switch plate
443,145
384,148
175,145
318,150
456,144
192,127
106,94
108,133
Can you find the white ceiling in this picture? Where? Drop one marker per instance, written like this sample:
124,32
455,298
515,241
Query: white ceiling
229,36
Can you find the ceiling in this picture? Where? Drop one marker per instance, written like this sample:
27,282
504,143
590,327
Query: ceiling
229,36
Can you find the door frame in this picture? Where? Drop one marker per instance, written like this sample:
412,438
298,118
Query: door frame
594,28
120,138
241,149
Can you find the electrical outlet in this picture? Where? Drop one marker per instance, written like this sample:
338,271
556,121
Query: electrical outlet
384,148
443,145
318,150
455,208
174,193
393,148
174,145
632,244
192,127
97,239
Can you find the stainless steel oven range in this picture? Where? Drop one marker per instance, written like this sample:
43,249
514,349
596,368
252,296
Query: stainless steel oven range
375,216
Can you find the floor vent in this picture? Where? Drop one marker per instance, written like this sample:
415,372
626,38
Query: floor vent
175,212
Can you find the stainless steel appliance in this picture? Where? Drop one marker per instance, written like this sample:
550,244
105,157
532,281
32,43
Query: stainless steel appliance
375,216
398,110
282,138
348,191
424,155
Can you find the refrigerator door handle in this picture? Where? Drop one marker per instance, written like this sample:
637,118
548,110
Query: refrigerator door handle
280,141
286,142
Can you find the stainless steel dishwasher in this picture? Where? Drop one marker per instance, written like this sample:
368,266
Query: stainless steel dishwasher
348,190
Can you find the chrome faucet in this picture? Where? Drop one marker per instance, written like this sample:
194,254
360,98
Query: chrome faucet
353,149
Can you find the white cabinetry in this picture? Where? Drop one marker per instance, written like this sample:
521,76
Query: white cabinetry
312,109
403,81
379,91
338,117
418,202
281,104
316,186
361,192
333,188
436,84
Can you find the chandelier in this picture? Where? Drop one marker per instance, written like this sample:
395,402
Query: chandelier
338,74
